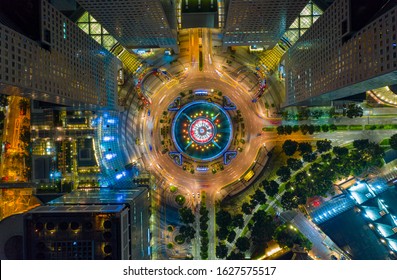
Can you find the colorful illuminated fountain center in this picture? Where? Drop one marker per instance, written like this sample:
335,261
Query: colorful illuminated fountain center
202,130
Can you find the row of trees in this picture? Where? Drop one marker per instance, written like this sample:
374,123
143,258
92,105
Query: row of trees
204,218
226,230
290,147
187,218
304,113
305,129
351,111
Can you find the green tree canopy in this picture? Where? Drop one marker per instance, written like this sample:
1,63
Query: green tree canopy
221,251
324,145
340,151
236,256
272,188
287,235
393,142
289,201
186,215
284,172
243,244
290,147
259,197
294,164
238,221
246,208
354,111
262,230
223,218
231,236
305,148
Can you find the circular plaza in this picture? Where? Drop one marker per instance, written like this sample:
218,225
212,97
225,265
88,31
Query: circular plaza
202,130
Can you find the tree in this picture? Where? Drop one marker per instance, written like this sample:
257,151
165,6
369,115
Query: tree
204,211
290,147
289,201
223,219
272,188
186,215
317,114
332,127
221,251
340,151
301,177
324,145
23,104
393,142
303,113
361,144
25,135
3,100
222,233
326,157
203,225
332,112
265,183
238,221
304,129
287,235
262,230
288,129
280,130
294,164
246,208
354,111
305,148
231,236
287,115
259,197
236,256
325,128
309,157
187,232
284,172
243,244
311,129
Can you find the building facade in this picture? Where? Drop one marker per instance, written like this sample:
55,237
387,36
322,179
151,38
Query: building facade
53,60
350,49
259,22
138,23
96,224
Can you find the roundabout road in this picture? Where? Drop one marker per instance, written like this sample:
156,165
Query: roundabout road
163,164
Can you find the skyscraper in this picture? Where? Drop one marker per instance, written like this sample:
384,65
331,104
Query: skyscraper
137,23
259,22
350,49
45,56
97,224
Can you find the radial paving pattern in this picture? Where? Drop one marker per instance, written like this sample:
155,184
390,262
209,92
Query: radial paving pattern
202,130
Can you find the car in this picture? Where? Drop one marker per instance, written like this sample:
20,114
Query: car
148,113
193,195
198,195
